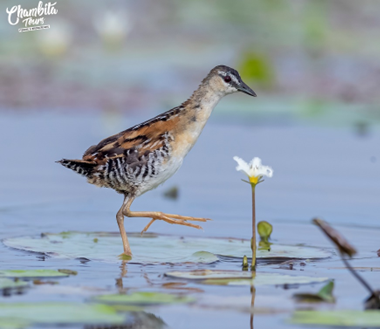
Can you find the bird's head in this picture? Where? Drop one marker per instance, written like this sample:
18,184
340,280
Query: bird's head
226,80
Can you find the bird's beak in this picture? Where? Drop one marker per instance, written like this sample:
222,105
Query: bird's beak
245,89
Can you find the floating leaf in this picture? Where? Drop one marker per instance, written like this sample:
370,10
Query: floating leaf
342,244
205,257
167,249
31,274
144,298
266,246
21,315
12,284
343,318
209,274
39,282
216,277
180,286
125,257
323,295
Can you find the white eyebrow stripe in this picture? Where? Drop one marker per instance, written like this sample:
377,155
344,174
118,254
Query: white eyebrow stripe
235,79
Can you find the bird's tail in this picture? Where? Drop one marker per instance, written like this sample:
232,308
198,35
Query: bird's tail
84,168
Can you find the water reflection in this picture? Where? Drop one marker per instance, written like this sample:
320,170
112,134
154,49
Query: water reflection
123,273
253,295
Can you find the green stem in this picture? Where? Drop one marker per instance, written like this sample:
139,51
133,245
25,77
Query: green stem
253,240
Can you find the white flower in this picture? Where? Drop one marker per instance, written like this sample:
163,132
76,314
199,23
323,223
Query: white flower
254,170
112,26
55,41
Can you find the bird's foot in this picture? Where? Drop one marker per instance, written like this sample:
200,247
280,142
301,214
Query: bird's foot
176,219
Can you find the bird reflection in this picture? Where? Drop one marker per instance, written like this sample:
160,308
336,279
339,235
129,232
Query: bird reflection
123,273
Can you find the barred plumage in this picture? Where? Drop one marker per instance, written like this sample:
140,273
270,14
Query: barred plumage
81,167
124,170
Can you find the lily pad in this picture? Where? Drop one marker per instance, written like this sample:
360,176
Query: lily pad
152,249
21,315
243,278
144,298
12,284
32,274
209,274
343,318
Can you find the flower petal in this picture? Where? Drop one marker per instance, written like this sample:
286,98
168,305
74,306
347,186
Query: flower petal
254,165
255,162
242,165
264,171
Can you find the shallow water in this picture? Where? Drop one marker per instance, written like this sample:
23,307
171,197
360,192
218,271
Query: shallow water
329,172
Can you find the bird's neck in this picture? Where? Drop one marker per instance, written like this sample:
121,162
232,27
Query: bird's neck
197,110
201,104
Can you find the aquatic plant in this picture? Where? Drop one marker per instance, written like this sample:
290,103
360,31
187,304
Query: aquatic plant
347,250
264,229
255,172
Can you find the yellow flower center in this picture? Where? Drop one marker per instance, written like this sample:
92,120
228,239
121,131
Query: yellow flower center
254,180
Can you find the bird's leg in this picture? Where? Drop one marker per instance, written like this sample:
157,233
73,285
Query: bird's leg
157,215
120,222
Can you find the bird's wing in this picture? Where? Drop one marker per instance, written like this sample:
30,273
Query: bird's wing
136,141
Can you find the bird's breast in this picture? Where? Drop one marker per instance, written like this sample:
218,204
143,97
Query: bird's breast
188,133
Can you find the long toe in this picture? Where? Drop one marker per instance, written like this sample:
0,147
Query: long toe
169,220
181,221
195,219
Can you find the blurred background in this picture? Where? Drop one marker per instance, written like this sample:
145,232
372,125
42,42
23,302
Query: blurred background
104,66
307,60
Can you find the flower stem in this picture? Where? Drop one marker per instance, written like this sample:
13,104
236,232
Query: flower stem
253,240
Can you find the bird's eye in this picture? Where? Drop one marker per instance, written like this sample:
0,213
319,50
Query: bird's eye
227,78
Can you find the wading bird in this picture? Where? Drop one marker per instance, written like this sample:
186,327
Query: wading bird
141,158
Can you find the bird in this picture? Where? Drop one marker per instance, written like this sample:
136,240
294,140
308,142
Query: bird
144,156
